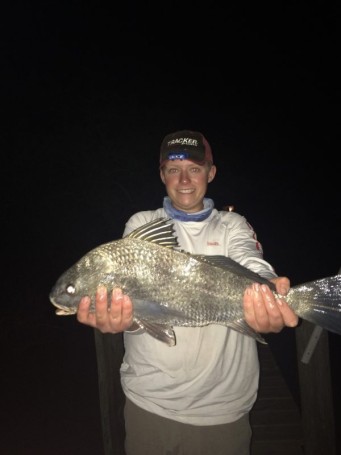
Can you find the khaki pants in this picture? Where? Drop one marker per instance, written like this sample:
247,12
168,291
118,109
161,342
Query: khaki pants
150,434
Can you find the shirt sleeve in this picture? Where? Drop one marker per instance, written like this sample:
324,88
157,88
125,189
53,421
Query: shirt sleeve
245,248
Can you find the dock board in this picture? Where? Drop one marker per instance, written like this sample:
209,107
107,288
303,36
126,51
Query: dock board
275,418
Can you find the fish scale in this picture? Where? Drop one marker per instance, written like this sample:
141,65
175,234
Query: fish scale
170,287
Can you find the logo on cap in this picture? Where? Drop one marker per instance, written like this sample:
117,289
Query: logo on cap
183,141
178,156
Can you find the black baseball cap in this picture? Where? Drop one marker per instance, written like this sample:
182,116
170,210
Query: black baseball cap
186,145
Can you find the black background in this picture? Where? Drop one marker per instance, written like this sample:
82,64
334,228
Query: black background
88,92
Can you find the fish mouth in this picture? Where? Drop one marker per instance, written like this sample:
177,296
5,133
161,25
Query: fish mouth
63,310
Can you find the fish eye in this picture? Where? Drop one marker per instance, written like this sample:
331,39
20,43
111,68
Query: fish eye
70,289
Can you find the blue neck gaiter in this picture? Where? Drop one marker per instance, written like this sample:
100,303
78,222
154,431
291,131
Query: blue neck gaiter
183,216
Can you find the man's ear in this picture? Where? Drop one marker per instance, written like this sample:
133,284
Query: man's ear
212,173
162,176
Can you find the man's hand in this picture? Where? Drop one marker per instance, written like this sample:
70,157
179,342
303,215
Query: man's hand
263,312
110,317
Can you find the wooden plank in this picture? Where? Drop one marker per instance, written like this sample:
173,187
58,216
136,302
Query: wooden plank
270,416
274,402
109,351
282,448
316,393
277,433
275,418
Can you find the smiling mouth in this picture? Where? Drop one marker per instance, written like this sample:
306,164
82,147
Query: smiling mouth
187,191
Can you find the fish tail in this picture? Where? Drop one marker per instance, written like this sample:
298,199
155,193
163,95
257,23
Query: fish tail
319,302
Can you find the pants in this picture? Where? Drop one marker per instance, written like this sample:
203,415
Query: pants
150,434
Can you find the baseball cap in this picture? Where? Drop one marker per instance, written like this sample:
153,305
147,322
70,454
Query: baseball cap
185,145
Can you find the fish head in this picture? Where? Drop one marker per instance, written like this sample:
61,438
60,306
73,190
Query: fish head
80,280
68,291
64,297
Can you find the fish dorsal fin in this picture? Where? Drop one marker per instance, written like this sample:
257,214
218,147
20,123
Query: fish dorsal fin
160,231
232,266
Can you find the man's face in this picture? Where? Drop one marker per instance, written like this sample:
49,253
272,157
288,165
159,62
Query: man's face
186,183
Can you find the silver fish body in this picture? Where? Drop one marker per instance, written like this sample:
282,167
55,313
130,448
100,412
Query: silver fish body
170,287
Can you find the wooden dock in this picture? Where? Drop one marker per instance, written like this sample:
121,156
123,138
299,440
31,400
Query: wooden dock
279,425
275,418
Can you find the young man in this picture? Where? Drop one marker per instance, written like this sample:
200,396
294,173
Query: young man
193,398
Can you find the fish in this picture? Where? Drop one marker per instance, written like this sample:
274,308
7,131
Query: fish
170,287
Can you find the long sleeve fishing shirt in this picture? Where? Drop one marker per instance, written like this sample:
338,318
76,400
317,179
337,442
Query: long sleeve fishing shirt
210,376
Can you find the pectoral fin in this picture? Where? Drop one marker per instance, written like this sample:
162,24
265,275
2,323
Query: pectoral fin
241,326
147,313
158,331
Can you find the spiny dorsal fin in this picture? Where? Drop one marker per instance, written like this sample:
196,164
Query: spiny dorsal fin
160,231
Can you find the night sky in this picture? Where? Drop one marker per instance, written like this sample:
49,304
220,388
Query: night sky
88,92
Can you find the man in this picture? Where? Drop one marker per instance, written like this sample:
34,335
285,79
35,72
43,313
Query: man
193,398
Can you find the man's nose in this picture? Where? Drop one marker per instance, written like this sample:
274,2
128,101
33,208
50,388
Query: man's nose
184,177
